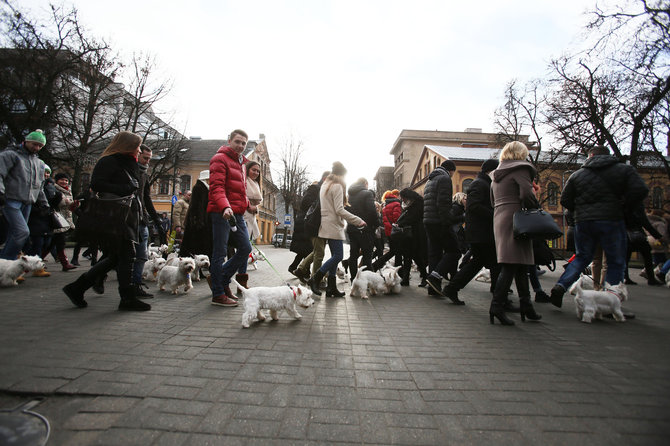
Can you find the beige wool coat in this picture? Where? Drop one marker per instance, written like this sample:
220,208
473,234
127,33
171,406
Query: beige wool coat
333,214
511,188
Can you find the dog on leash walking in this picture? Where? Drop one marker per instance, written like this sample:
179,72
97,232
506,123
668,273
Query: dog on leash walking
173,276
275,299
368,281
590,304
152,267
392,279
10,270
201,261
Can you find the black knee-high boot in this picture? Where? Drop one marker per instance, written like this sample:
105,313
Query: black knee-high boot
331,288
315,281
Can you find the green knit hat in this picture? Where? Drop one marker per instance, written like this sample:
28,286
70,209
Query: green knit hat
37,136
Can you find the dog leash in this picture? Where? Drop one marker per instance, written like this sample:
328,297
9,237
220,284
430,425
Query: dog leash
271,265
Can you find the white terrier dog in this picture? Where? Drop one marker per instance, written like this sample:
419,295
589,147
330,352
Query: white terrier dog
591,304
159,250
201,261
392,279
341,274
152,267
10,270
273,299
173,276
367,281
484,275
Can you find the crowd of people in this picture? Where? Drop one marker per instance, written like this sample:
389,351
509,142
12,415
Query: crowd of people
434,232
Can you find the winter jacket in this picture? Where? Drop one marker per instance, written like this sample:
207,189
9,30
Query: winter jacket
391,212
21,176
179,212
227,182
479,211
148,210
437,197
603,189
362,204
512,189
333,213
412,216
198,224
301,243
118,174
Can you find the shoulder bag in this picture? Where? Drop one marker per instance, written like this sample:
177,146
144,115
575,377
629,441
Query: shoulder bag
535,224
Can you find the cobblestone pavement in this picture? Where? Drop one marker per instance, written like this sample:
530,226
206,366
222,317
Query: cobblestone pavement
404,369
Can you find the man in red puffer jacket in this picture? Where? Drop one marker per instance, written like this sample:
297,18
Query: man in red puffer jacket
390,214
227,204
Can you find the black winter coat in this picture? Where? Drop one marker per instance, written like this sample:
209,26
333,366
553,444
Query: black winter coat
602,189
479,211
301,243
636,220
362,204
412,216
118,174
198,223
437,198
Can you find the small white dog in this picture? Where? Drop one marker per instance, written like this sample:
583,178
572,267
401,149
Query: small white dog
392,279
591,304
152,267
159,250
342,275
368,281
173,276
484,275
274,299
10,270
201,261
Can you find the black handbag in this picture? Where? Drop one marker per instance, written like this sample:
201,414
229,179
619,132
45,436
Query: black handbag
543,254
636,237
401,233
535,224
105,218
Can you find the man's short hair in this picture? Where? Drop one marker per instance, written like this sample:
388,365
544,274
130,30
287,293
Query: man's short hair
238,132
599,150
145,148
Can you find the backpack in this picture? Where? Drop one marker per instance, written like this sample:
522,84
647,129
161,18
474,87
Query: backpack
543,254
313,219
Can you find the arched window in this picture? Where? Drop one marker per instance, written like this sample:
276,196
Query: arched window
657,198
552,194
164,186
185,183
466,184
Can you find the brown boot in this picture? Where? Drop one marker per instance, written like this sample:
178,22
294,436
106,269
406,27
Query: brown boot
67,266
242,279
41,273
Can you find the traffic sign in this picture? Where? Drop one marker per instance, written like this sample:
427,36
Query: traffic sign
174,199
287,219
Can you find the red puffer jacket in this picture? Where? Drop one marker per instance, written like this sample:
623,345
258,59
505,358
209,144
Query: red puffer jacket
227,182
391,213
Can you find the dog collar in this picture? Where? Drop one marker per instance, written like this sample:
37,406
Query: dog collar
292,290
615,294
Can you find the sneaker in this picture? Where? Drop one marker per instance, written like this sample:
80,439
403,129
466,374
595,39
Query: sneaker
301,274
557,295
542,297
643,273
434,286
224,301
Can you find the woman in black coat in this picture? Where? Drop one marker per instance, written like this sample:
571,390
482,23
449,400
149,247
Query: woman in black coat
414,246
116,173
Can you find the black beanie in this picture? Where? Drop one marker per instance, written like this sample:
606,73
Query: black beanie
449,165
338,169
489,165
60,176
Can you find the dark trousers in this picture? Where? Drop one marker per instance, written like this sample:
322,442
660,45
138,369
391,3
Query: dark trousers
483,255
511,272
360,241
119,257
645,250
442,248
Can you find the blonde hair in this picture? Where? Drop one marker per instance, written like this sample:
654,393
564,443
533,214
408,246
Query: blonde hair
459,197
337,179
123,142
514,150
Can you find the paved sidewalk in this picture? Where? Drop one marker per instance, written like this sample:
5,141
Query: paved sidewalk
405,369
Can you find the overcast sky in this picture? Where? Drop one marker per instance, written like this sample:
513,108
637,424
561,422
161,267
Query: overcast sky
343,77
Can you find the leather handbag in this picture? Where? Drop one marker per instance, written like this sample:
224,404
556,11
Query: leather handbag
535,224
57,221
401,233
104,218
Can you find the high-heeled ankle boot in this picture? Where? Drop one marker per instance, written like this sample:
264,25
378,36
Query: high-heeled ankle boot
527,310
498,311
62,258
331,289
315,281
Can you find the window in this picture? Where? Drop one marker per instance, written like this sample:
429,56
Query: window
657,198
184,183
552,194
164,186
466,184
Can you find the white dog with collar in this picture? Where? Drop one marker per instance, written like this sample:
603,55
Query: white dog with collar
274,299
590,304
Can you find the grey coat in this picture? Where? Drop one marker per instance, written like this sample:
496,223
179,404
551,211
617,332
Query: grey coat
511,188
21,176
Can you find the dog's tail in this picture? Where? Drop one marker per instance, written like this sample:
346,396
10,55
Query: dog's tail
240,287
576,288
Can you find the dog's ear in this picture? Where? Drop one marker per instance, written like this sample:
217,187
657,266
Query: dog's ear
24,258
299,292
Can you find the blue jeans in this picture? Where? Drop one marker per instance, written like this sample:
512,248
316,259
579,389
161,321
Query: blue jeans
611,235
16,213
140,253
337,254
222,272
665,268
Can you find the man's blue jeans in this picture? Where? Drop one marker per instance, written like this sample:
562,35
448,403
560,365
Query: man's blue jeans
337,253
16,213
140,253
611,235
222,272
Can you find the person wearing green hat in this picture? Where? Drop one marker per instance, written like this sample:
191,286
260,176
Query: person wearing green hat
21,178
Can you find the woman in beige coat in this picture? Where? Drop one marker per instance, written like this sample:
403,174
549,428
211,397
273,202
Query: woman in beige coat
512,188
333,216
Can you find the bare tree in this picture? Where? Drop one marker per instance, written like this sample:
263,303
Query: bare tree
291,176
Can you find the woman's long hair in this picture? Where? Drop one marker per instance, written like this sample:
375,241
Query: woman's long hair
336,179
248,167
123,142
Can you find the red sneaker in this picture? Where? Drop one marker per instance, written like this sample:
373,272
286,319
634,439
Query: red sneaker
224,301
